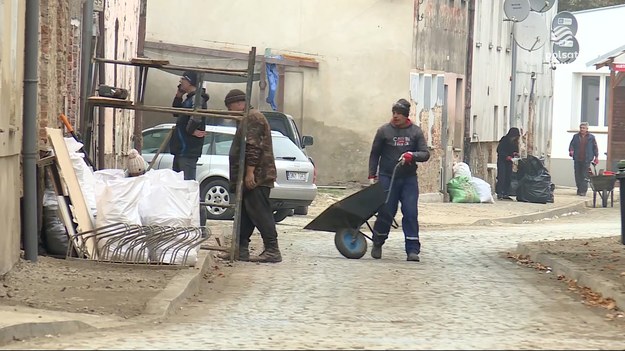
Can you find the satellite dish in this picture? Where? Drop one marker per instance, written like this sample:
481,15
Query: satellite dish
564,22
532,33
541,5
516,10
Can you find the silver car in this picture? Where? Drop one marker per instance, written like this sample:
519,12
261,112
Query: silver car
294,187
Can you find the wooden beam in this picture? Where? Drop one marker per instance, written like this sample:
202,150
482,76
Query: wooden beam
611,117
80,209
290,60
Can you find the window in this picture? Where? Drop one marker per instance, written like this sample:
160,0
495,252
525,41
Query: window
594,100
222,143
153,139
208,141
590,100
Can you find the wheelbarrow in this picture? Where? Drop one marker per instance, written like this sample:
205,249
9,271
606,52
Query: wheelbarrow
346,217
602,184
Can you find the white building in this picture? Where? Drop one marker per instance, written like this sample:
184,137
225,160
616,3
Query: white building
580,91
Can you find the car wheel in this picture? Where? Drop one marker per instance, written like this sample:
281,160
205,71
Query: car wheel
281,214
216,191
301,210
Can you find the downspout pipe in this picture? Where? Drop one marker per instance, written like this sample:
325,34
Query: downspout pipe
85,72
467,84
30,138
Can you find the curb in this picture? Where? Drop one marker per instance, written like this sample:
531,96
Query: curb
22,331
520,219
567,268
183,285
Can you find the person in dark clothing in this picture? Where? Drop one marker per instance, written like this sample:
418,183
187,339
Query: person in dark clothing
507,149
188,139
398,141
259,176
584,150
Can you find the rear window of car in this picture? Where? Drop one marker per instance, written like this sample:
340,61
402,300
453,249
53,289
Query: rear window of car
283,148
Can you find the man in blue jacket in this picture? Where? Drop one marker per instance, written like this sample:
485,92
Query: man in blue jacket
398,141
188,140
583,149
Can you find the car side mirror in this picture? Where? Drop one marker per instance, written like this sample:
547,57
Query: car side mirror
307,140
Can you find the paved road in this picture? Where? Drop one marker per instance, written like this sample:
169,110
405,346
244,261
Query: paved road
463,295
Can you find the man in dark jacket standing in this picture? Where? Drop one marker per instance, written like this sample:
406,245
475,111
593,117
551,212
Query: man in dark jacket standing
188,139
259,176
403,142
583,149
507,149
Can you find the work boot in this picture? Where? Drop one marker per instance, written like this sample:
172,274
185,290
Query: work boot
413,256
244,254
376,251
271,254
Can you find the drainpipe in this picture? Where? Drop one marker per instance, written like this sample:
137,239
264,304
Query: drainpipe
138,127
85,72
467,84
30,136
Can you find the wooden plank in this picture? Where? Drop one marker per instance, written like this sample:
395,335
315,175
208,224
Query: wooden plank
287,60
149,61
80,209
109,101
183,111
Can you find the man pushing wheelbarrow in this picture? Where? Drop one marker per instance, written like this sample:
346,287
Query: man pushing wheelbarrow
397,147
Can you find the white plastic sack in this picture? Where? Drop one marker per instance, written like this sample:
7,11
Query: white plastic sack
171,201
84,173
106,174
461,169
118,202
483,190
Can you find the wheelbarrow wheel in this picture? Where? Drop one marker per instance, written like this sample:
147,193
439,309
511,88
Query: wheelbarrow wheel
351,243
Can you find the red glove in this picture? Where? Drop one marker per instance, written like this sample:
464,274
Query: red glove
509,158
406,157
570,153
595,161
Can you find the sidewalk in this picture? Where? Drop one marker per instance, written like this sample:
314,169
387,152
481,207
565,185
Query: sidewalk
17,323
20,322
433,214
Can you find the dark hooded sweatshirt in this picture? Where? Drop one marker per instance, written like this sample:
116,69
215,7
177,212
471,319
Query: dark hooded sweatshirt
390,143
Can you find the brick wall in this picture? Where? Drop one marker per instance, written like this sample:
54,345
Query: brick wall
59,64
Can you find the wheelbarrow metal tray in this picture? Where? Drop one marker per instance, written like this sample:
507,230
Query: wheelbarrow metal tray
350,212
602,182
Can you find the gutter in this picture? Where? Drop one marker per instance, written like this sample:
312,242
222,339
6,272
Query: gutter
30,136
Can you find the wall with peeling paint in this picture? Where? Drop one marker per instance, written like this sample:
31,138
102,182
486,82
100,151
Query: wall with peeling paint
437,85
11,89
121,27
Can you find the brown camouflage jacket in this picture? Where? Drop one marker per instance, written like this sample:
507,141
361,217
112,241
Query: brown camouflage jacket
258,150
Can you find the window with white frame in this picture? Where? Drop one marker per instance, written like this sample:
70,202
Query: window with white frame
594,100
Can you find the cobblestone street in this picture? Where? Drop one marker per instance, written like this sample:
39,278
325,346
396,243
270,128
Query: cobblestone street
464,294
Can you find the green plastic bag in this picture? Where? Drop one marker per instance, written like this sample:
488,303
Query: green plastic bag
461,190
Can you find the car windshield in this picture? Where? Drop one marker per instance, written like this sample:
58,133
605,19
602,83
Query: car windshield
283,148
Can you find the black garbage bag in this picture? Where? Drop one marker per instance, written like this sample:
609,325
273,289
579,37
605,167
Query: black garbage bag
55,235
514,183
534,182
